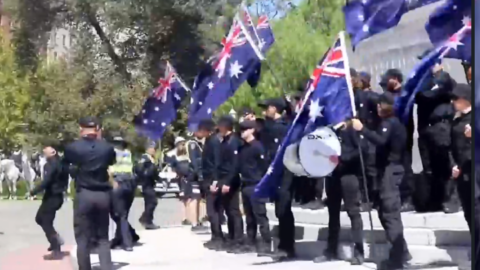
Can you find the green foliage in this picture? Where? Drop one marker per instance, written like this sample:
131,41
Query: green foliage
302,37
14,98
119,51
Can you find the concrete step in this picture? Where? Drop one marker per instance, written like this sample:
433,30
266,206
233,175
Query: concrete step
433,221
311,240
421,237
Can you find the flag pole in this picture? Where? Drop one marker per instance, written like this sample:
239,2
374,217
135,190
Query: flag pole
354,111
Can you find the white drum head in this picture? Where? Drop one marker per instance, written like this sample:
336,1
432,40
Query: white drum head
319,152
291,161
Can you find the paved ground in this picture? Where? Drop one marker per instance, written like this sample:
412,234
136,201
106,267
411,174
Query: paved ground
22,242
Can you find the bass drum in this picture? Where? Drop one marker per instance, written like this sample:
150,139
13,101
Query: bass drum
319,152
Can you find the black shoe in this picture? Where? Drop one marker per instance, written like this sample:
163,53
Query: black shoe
213,244
135,239
241,249
357,259
282,255
328,255
392,265
56,255
186,223
115,243
151,226
264,249
128,249
199,228
315,205
449,208
60,240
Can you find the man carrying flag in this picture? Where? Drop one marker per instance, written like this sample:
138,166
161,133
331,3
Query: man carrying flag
328,101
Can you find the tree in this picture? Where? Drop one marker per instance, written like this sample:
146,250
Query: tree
14,98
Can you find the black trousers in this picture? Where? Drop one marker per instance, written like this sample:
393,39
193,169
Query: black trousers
407,186
389,214
464,188
231,205
371,174
46,215
256,215
442,185
91,219
151,202
284,214
214,212
344,184
122,199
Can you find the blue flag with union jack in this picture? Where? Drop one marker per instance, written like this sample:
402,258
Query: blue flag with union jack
221,78
160,108
328,101
423,72
445,21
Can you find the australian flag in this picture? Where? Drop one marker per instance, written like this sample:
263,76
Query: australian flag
328,101
423,72
221,79
263,37
445,21
365,18
160,108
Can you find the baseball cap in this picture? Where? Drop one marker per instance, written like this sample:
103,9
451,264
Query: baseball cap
226,121
393,73
179,140
89,122
248,124
247,111
278,103
387,98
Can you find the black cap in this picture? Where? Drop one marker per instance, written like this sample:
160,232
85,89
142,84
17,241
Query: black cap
365,76
226,121
247,124
387,98
247,111
393,74
278,103
89,122
462,91
206,125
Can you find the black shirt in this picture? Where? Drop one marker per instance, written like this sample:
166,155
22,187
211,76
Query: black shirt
390,139
461,153
366,104
253,163
272,135
147,171
55,178
228,169
91,159
211,159
349,142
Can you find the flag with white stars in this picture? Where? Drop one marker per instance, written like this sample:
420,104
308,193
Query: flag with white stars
423,72
328,101
366,18
161,106
445,21
221,79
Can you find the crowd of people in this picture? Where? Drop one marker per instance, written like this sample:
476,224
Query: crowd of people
224,160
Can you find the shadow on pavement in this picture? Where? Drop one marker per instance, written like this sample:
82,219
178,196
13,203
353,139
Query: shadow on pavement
116,266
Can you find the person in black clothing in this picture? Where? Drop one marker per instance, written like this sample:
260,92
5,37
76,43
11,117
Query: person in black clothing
91,157
147,173
54,183
229,183
461,150
434,120
252,168
273,132
393,79
390,140
211,160
344,184
366,104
